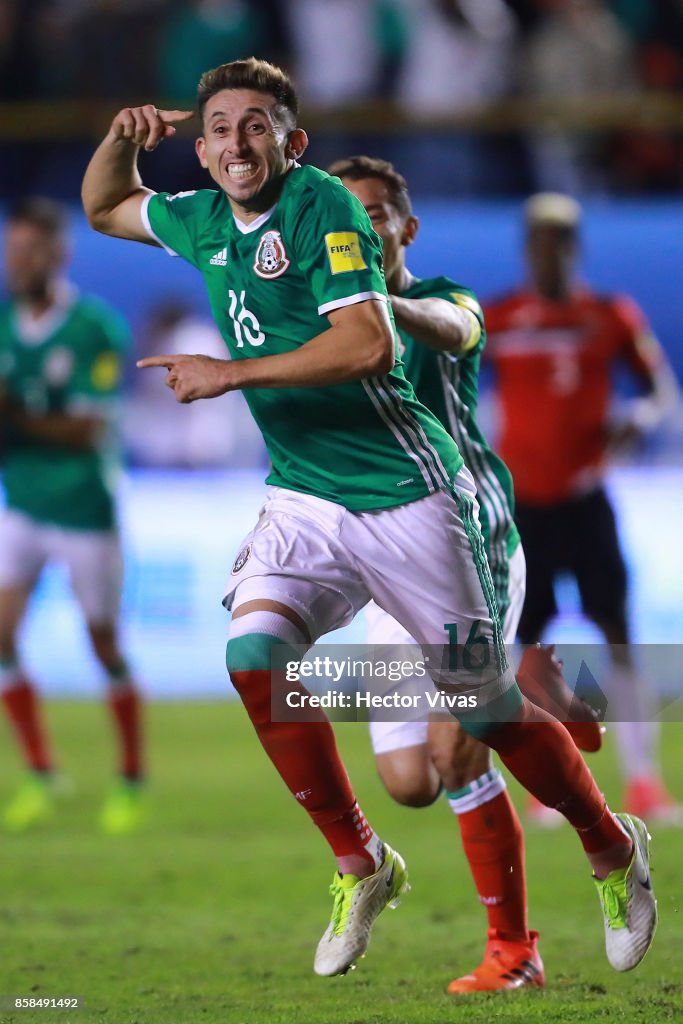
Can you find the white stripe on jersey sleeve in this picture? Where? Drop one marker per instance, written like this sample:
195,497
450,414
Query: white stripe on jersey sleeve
350,300
144,215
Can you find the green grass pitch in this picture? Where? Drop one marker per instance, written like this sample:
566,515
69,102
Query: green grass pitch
212,914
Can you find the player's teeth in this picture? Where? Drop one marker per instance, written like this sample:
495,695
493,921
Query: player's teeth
241,170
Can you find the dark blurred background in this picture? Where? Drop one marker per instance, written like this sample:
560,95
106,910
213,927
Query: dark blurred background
471,97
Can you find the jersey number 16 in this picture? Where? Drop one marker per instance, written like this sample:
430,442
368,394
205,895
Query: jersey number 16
244,323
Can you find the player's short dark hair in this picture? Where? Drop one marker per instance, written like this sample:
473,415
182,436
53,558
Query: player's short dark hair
356,168
45,214
251,73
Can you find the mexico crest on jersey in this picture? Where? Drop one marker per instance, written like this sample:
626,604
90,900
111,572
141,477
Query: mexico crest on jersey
58,366
241,560
271,258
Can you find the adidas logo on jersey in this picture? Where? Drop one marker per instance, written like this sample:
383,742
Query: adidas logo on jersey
220,259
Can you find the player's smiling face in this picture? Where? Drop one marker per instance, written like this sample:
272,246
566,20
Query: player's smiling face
247,147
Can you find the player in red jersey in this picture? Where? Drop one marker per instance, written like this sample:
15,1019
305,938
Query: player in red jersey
554,345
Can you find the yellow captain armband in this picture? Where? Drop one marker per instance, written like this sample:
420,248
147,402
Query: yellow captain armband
472,310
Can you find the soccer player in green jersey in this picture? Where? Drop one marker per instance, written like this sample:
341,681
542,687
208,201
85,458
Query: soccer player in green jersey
368,498
60,363
441,331
441,337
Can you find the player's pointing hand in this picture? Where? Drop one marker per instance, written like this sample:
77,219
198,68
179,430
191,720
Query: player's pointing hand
193,377
146,126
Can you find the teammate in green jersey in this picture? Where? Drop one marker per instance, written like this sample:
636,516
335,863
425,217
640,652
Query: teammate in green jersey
366,485
60,361
441,331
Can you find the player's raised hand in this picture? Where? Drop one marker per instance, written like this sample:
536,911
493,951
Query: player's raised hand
147,126
193,377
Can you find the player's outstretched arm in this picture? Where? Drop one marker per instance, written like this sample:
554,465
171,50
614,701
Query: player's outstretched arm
112,189
359,343
435,322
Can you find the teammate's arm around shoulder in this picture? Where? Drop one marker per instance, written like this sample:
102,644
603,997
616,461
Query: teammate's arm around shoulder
438,323
112,189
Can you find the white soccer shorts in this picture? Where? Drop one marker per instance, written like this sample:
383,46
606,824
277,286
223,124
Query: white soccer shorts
383,629
423,563
92,557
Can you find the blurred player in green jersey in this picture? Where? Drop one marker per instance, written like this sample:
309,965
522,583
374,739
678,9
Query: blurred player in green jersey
60,365
366,484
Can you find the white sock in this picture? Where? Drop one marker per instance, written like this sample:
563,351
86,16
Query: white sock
268,622
475,794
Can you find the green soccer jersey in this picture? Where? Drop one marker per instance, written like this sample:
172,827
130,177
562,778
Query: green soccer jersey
448,384
367,444
69,361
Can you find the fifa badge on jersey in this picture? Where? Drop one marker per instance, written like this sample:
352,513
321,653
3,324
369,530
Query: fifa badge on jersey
105,371
343,252
241,560
271,257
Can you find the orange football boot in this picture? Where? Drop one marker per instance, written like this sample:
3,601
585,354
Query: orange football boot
506,966
540,679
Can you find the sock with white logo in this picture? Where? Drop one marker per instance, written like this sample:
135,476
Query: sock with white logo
493,842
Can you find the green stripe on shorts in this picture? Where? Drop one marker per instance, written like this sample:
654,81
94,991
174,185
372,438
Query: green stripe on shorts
466,509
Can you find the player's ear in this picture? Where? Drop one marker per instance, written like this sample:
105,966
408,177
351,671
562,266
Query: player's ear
410,229
200,150
297,142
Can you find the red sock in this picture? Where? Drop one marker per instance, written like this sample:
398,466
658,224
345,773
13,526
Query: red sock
493,842
543,757
126,709
305,755
22,706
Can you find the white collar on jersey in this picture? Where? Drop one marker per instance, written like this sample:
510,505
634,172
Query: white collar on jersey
254,225
33,330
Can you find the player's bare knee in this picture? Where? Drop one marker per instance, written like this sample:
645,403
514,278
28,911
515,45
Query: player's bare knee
105,645
411,792
409,776
8,645
457,757
8,651
13,602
